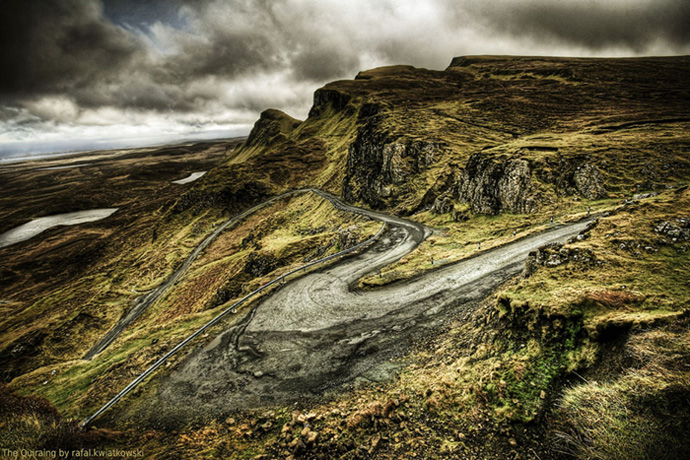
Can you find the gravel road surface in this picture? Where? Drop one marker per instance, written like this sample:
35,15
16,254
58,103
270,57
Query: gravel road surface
318,334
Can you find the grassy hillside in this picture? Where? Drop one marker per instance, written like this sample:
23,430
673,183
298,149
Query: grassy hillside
258,249
584,355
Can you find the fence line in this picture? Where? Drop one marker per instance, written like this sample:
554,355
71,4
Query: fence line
221,315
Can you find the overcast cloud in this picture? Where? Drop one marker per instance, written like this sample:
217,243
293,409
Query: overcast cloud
89,72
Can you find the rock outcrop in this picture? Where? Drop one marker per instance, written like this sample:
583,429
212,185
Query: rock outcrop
573,176
492,186
553,255
677,230
589,182
380,168
325,97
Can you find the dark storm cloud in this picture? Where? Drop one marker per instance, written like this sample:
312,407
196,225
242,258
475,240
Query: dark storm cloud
77,66
140,92
94,50
226,53
632,24
323,61
57,45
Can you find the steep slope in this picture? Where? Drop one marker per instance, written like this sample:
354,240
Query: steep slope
488,151
499,134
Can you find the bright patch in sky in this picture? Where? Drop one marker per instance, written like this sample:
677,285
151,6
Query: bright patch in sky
92,75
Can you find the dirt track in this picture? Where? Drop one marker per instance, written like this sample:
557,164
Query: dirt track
316,333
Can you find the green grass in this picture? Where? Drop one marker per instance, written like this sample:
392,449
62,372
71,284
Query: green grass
652,279
81,386
639,414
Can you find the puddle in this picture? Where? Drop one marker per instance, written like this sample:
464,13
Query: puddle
191,178
36,226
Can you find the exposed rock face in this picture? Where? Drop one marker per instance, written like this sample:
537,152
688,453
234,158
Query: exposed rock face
553,255
401,160
324,97
678,229
574,176
440,197
348,237
364,170
379,167
491,187
442,205
495,185
260,264
589,182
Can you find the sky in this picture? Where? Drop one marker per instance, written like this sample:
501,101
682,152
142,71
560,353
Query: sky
92,74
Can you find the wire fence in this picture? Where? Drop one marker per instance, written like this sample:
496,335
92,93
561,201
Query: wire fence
231,309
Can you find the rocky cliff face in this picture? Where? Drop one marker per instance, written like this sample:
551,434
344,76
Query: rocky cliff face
491,186
573,176
380,168
324,97
494,185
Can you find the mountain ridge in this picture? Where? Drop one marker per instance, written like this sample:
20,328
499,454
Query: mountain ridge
399,124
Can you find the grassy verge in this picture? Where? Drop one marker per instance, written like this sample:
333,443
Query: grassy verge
258,249
454,241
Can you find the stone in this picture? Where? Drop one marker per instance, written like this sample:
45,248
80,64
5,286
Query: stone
589,182
311,437
442,205
678,228
296,445
492,186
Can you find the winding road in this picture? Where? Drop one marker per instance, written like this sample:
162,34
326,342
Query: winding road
142,303
318,333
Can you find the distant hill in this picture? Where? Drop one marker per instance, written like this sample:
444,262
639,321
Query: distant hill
497,133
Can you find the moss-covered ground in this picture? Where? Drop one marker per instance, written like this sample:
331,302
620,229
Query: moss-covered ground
265,245
584,355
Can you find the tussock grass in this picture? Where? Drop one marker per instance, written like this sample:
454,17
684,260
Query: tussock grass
29,423
639,414
287,233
